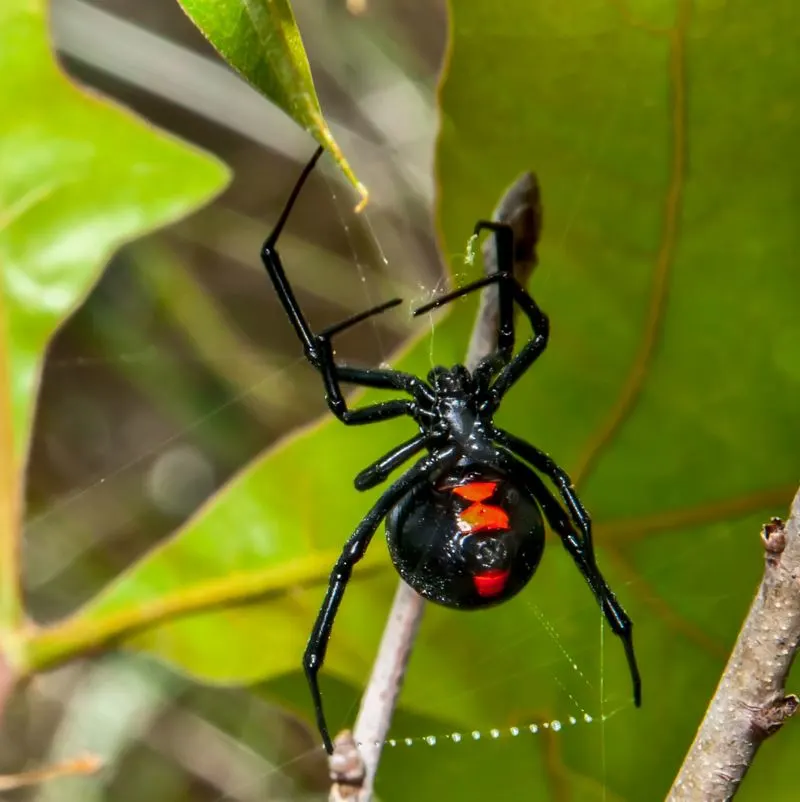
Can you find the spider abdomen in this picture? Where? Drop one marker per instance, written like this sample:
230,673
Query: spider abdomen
471,539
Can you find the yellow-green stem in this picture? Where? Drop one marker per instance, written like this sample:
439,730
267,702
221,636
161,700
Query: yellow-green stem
50,646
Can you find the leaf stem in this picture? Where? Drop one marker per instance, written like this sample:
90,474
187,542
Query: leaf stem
11,613
750,702
50,646
354,762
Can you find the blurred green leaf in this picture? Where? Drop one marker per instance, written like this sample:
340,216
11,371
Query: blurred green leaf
79,178
260,39
668,390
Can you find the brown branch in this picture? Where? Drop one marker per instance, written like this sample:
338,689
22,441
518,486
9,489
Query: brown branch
750,702
354,762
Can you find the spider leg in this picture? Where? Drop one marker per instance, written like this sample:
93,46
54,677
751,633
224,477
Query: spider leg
583,556
272,261
546,465
319,352
504,245
510,371
318,349
504,277
383,410
386,379
376,473
529,352
353,551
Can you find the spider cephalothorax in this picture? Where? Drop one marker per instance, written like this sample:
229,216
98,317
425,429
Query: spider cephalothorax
465,523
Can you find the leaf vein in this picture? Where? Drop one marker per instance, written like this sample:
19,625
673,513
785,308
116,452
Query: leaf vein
634,382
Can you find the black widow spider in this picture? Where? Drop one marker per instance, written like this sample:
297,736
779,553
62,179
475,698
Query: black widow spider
463,524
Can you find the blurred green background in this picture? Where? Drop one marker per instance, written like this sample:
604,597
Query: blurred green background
667,163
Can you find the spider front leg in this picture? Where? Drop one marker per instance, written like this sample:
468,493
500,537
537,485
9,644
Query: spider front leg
509,371
511,290
353,551
504,278
504,245
383,410
583,555
318,349
531,351
319,352
510,249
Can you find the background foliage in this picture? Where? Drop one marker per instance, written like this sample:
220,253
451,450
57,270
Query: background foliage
667,392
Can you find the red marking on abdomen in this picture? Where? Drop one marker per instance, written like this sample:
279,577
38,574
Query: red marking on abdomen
480,517
476,491
491,582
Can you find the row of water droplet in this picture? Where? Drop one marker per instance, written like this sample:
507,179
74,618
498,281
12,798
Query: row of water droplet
556,725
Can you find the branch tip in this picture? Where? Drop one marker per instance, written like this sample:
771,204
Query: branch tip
346,765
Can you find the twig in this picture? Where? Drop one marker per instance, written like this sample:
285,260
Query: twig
750,702
354,762
7,682
88,764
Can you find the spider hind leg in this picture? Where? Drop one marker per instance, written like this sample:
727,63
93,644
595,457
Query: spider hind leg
582,554
353,551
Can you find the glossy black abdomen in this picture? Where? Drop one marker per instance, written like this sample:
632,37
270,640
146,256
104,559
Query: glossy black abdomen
470,540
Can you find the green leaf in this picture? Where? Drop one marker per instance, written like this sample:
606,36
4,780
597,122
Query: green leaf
78,178
260,39
667,267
